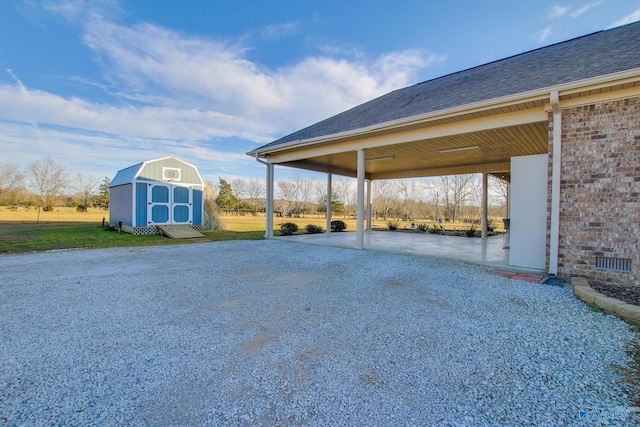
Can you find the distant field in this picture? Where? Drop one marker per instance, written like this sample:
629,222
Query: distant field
66,228
238,223
56,216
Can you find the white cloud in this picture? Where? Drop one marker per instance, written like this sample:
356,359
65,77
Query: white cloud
175,86
19,83
558,11
179,94
273,32
543,34
628,19
584,9
103,155
17,104
209,74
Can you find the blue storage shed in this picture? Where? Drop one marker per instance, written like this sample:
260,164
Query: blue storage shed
165,191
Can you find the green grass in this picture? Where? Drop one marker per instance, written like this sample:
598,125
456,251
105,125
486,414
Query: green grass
45,237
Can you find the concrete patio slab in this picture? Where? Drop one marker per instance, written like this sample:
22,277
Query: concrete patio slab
492,251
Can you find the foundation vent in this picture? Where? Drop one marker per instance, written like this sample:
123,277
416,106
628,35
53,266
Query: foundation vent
613,264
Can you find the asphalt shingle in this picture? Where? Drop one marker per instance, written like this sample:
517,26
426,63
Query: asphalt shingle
589,56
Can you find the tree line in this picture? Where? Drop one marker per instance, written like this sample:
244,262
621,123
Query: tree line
454,198
45,182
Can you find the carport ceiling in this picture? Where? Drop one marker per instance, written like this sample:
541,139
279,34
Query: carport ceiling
425,157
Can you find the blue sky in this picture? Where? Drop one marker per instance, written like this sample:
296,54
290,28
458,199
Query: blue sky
100,85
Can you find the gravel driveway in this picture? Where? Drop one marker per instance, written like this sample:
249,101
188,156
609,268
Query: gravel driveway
283,333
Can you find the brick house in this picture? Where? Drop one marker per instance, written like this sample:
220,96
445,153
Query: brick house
560,123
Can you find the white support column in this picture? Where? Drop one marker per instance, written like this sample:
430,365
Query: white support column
485,186
328,203
360,202
269,208
369,186
556,170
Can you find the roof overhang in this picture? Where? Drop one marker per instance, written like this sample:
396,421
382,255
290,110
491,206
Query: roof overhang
471,138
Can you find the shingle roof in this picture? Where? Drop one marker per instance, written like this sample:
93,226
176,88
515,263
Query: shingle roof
589,56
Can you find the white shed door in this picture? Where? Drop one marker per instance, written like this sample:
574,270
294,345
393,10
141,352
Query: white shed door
168,204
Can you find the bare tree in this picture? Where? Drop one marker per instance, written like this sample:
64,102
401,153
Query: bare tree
454,191
411,193
465,190
47,179
86,186
287,197
320,193
239,187
345,191
384,192
499,188
210,190
256,192
304,189
10,179
499,194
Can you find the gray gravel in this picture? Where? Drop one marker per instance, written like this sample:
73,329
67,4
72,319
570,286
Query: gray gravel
283,333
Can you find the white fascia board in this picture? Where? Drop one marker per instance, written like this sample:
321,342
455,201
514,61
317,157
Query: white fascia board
532,95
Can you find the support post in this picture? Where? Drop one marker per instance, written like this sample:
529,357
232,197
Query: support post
485,187
556,162
369,186
269,205
329,202
360,202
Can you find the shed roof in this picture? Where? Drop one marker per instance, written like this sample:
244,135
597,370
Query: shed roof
137,171
597,54
126,176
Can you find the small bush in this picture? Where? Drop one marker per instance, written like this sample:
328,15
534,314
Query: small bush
393,225
314,229
471,232
423,227
288,228
436,229
338,225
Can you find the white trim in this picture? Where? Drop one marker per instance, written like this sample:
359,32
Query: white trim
484,204
360,202
536,94
269,202
556,172
369,205
329,202
170,204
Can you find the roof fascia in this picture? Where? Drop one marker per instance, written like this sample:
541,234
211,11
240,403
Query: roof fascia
512,118
528,96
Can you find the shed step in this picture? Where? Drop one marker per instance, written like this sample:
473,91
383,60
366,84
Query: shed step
179,231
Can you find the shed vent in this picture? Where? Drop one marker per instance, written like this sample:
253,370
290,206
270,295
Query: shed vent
614,264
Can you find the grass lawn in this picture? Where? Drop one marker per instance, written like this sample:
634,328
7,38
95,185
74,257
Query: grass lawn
65,228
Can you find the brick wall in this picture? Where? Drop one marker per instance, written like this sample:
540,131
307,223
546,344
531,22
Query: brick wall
600,190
